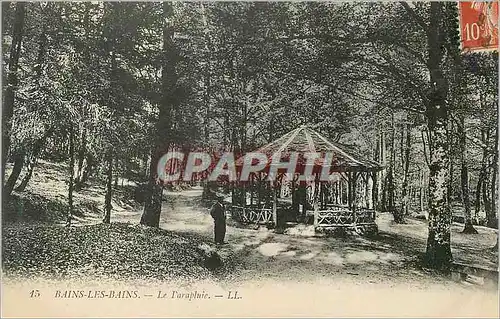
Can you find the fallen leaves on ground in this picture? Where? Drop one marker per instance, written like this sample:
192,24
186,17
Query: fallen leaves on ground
105,250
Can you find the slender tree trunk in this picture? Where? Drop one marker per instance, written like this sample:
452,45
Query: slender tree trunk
490,216
152,207
147,164
438,254
12,82
451,166
383,174
406,161
422,190
81,159
116,175
29,173
374,190
88,166
398,215
384,203
71,175
207,77
109,189
482,186
33,160
14,175
464,178
207,95
124,169
477,206
377,158
424,144
492,220
379,176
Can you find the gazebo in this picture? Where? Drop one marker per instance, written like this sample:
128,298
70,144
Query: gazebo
345,199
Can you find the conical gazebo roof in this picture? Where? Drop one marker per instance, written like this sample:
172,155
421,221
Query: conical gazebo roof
306,140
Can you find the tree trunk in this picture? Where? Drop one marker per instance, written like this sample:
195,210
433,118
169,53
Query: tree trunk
464,179
383,174
207,96
438,253
490,215
384,205
152,207
81,159
398,215
380,176
33,160
207,77
29,173
492,220
12,82
477,206
14,175
71,176
422,190
146,163
451,165
374,190
42,42
116,175
406,161
109,189
482,186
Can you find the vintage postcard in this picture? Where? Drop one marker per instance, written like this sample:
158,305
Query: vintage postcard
250,159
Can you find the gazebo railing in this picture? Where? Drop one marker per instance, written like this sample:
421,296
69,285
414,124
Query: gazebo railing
251,215
328,217
343,217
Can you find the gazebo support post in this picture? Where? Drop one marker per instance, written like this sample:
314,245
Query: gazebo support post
349,190
340,192
322,195
294,197
366,195
275,208
368,190
259,187
374,189
353,178
374,192
317,193
252,188
347,186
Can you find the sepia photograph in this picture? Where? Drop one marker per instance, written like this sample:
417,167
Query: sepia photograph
250,159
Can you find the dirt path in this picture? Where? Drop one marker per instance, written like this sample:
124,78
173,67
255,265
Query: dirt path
263,254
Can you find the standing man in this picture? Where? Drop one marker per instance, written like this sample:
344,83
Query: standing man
219,215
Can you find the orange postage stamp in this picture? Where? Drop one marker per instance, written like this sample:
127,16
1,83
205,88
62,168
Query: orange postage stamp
479,25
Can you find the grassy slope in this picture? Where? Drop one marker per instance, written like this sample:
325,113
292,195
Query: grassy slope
45,198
